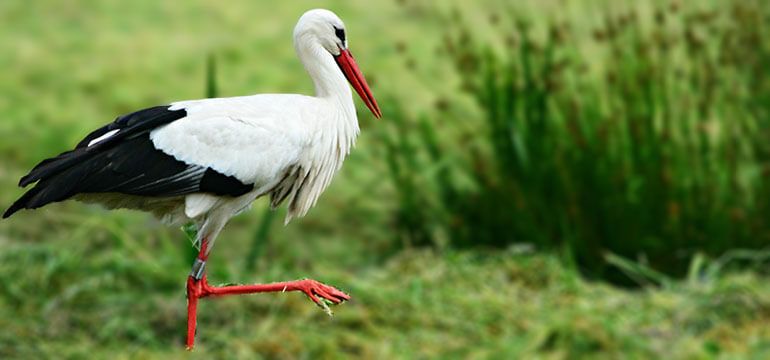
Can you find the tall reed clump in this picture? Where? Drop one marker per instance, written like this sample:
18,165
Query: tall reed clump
653,145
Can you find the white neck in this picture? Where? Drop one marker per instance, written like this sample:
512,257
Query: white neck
327,77
330,85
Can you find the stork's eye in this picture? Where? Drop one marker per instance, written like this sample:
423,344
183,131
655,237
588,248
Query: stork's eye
340,34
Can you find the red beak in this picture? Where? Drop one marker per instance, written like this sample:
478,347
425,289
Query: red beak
356,79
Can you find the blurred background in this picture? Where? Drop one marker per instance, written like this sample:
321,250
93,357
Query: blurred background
558,179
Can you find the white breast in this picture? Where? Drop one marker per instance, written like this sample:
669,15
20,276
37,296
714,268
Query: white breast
259,139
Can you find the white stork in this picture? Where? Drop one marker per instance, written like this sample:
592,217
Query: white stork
206,160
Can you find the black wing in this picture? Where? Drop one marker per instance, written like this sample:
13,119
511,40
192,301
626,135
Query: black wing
124,161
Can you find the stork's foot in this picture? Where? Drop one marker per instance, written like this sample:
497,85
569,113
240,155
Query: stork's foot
314,289
197,289
311,288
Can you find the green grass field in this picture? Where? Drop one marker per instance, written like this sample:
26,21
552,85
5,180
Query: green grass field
454,240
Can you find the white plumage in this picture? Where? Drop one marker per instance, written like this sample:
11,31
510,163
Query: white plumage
261,140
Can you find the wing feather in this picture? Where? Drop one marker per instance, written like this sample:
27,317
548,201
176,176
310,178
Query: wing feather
121,158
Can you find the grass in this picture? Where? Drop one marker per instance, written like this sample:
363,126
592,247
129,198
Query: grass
652,147
517,304
396,231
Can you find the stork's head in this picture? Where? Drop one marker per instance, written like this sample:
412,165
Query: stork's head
327,29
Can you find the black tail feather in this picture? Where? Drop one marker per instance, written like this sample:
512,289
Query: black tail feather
22,203
46,191
52,166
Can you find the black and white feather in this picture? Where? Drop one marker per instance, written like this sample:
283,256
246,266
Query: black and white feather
121,158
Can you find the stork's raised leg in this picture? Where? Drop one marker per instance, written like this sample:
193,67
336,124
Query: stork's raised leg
198,287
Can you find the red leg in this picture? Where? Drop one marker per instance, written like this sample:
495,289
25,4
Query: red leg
193,288
200,288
